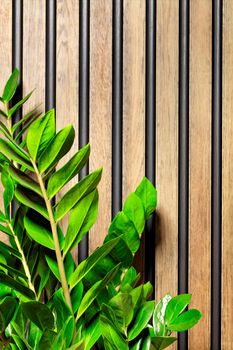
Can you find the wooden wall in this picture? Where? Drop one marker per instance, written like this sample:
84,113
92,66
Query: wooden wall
66,52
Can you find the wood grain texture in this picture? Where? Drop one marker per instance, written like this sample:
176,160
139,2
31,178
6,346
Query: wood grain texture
166,258
200,169
34,53
134,100
101,110
227,199
5,58
67,76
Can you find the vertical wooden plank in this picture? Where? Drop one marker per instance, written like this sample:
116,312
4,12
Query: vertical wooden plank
227,178
166,147
101,110
134,99
67,75
34,52
5,56
200,168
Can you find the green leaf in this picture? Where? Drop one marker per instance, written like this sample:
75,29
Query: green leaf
122,253
146,345
9,249
5,230
57,148
7,310
53,267
141,321
68,171
11,86
92,334
130,278
38,233
3,113
158,316
110,333
18,104
76,296
39,314
14,154
47,340
176,305
23,179
25,119
85,266
2,217
148,195
4,130
161,343
31,200
76,193
17,286
122,307
8,194
133,208
82,217
93,292
13,271
40,134
62,310
136,346
185,321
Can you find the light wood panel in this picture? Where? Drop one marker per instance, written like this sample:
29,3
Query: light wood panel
5,58
134,100
200,169
166,147
227,200
34,53
67,75
101,110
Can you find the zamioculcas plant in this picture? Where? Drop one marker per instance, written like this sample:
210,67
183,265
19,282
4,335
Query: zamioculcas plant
47,301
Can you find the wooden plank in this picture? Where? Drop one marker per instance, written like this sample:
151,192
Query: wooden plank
34,52
5,58
166,258
67,76
134,101
227,199
200,169
100,110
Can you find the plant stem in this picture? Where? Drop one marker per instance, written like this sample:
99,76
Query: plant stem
24,261
55,238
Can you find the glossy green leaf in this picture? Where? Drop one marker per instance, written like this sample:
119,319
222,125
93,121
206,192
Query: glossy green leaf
61,308
24,180
40,134
76,296
18,105
122,253
14,154
122,307
31,200
4,130
47,340
146,343
7,309
147,290
68,171
13,271
17,286
52,264
134,210
85,266
137,345
175,306
25,119
5,230
39,233
148,195
11,86
161,343
82,218
8,194
92,334
8,249
158,316
130,278
57,148
39,314
110,333
185,321
76,193
141,320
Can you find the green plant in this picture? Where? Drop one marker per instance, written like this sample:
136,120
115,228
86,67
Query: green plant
46,300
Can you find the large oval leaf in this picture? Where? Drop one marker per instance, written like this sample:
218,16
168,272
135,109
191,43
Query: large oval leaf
158,316
57,148
38,233
39,314
176,305
40,134
68,171
23,179
185,321
148,195
142,318
76,193
133,208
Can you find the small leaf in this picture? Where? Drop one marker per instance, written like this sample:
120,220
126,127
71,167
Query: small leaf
57,148
11,86
161,343
82,217
130,278
133,208
158,316
39,314
85,266
176,305
76,193
53,267
68,171
76,296
38,233
40,134
31,200
148,195
15,154
23,179
142,318
18,104
185,321
15,285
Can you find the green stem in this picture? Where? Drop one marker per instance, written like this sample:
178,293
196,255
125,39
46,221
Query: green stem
24,261
55,237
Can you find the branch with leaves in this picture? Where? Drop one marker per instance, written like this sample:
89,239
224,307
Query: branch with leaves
47,301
